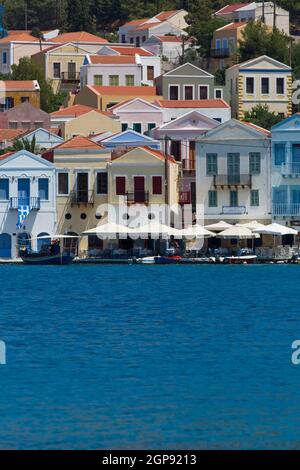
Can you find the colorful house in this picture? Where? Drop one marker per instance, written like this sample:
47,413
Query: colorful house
233,173
138,114
8,136
224,46
126,139
44,138
83,39
216,109
15,92
27,201
260,81
63,115
90,123
104,97
24,116
170,47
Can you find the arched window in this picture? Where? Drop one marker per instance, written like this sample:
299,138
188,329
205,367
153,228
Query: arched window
24,241
43,242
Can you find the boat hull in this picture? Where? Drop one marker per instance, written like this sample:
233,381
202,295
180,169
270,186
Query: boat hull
47,260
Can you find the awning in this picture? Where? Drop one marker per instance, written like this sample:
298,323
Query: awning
241,233
219,226
276,229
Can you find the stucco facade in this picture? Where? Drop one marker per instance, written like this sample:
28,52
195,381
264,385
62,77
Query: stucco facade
138,114
88,124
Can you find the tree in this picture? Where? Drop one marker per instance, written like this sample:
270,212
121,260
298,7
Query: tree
27,69
25,144
258,39
262,116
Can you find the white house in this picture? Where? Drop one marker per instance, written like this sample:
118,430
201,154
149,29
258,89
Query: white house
138,114
27,182
44,139
151,64
216,109
233,173
286,170
111,71
170,47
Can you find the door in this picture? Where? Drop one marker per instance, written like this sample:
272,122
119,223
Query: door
233,168
71,71
23,192
173,92
139,189
192,154
296,159
5,245
82,187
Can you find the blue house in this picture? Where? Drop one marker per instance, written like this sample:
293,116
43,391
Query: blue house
285,170
129,138
44,138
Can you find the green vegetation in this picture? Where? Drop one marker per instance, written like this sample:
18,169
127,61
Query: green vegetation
262,116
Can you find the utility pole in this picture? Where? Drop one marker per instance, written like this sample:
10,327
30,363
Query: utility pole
26,15
166,172
263,11
274,16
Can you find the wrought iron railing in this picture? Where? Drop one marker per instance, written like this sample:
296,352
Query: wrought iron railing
233,180
286,209
222,52
70,76
32,202
82,197
137,197
234,210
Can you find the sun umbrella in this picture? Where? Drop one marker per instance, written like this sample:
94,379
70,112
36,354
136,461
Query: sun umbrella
219,226
155,229
252,225
196,231
276,229
109,230
236,231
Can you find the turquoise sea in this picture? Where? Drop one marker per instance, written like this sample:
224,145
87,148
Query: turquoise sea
141,357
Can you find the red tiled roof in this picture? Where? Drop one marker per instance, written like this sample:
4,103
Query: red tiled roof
79,36
258,128
24,36
79,142
135,22
131,51
192,103
135,91
15,85
232,26
230,8
156,153
112,59
170,38
10,134
147,26
75,110
5,155
165,15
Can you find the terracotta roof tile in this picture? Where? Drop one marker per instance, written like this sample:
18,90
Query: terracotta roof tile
131,51
232,26
5,155
112,59
135,91
147,26
10,134
136,22
75,110
165,15
14,85
230,8
192,103
79,142
79,36
258,128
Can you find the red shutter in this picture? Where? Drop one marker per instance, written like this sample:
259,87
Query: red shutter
157,185
120,185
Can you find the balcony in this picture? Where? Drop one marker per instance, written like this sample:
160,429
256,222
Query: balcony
220,53
291,170
286,209
232,181
137,197
185,197
72,77
234,210
82,197
33,202
188,165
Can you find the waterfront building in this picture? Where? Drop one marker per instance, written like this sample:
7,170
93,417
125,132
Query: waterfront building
104,97
216,109
25,117
286,171
27,201
15,92
233,180
260,81
150,62
164,23
138,114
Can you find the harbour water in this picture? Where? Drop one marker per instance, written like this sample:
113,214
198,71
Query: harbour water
141,357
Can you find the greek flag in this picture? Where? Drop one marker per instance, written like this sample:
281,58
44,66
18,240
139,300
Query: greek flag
23,212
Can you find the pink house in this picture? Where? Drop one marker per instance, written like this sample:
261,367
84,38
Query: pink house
138,114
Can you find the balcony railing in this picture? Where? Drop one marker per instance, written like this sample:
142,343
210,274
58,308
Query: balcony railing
286,209
233,181
220,53
234,210
32,202
188,164
82,197
137,197
185,197
292,169
70,76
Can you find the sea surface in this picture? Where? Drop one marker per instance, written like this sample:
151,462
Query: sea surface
141,357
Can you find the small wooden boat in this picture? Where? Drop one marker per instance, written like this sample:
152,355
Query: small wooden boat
167,259
53,254
246,259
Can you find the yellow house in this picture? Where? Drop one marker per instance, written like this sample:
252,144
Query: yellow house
61,65
90,123
224,45
15,92
103,97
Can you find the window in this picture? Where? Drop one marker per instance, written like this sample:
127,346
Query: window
250,85
280,195
131,41
218,93
279,151
151,125
13,125
38,124
9,102
26,124
254,197
188,92
265,86
156,185
212,199
137,41
24,99
254,163
124,126
150,72
120,185
144,38
123,38
129,80
211,164
44,189
280,86
203,92
4,189
233,198
63,183
98,80
225,43
114,80
4,58
137,127
56,70
102,183
173,92
218,43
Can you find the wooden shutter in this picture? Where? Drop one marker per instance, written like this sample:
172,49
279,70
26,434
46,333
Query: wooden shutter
120,185
157,185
